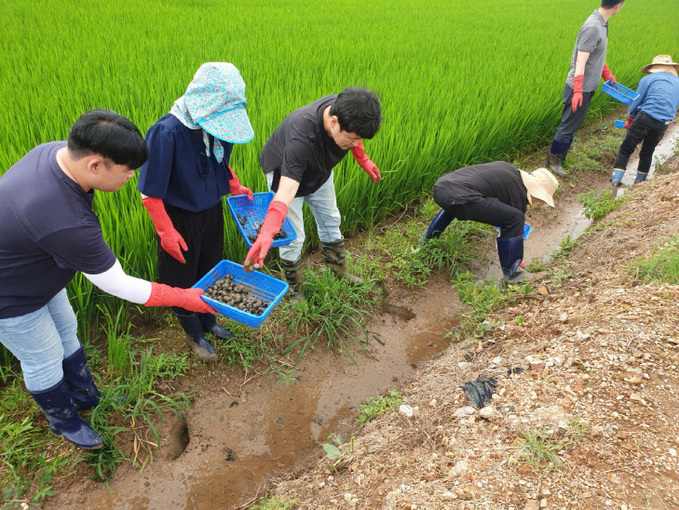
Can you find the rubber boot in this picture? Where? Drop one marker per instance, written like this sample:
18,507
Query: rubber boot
437,225
556,157
641,176
63,417
334,256
510,252
200,346
294,275
209,324
616,176
79,381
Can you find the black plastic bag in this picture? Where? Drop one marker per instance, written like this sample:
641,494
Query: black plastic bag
480,392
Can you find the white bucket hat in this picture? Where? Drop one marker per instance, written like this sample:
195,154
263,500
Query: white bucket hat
661,63
540,184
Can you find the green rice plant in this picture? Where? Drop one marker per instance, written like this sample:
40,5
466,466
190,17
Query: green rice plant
334,310
661,265
596,206
118,337
376,406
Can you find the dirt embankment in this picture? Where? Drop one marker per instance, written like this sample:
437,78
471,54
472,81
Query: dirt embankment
596,403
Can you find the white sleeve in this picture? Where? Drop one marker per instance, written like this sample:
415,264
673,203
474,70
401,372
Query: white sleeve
117,283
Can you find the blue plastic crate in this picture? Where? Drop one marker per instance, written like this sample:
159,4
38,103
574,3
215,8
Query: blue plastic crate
249,214
619,92
261,285
526,230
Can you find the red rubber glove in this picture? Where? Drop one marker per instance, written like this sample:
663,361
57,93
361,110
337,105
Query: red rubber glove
275,217
606,74
237,188
170,240
189,299
629,122
577,92
364,161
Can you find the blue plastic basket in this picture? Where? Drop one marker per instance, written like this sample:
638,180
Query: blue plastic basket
619,92
260,284
526,230
249,214
619,123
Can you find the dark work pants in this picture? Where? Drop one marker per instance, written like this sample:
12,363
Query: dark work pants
203,233
643,128
571,120
491,212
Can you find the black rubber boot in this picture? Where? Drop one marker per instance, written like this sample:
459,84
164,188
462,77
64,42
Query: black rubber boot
60,410
334,256
209,324
510,252
556,157
79,381
200,346
294,275
438,225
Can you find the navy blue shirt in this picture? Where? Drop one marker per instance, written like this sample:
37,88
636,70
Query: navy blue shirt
48,231
658,97
301,149
179,171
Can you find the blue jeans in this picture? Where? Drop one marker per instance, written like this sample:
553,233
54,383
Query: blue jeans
41,340
323,205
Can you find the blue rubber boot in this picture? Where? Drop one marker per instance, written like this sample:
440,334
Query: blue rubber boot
510,252
79,381
200,346
63,417
616,177
209,323
438,225
641,176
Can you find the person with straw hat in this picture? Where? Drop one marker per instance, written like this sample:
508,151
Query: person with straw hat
496,194
184,180
648,116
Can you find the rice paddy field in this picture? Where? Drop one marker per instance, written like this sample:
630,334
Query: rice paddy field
460,82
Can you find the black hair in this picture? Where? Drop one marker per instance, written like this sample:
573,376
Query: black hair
110,135
358,111
609,4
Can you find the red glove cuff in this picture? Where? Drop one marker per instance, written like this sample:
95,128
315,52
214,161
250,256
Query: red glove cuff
274,218
577,83
359,154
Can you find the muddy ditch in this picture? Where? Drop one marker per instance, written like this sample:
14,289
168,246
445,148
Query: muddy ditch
238,437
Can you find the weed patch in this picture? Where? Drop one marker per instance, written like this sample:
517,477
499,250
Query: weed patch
375,407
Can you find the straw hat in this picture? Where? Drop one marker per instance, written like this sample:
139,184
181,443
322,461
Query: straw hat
540,184
661,63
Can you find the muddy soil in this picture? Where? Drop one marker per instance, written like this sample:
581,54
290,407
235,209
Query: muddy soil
243,434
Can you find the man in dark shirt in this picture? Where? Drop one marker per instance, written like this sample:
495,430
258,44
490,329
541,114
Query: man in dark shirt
48,231
298,160
496,194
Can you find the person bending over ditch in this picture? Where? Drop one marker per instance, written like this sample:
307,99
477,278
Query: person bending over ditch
48,231
298,160
649,115
588,66
184,180
496,194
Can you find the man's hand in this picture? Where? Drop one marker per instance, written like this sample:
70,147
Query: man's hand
275,217
364,161
577,92
189,299
629,122
607,75
170,240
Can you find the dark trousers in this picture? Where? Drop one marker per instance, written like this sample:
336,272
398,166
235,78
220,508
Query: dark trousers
643,128
491,212
203,233
571,120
